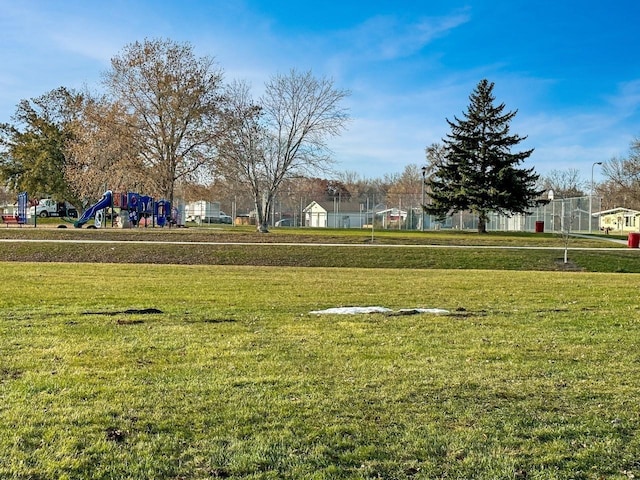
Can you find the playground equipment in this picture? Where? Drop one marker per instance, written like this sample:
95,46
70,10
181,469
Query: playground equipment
93,210
19,218
133,210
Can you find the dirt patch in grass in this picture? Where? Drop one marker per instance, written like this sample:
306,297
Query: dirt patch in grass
116,435
9,374
126,321
570,266
130,311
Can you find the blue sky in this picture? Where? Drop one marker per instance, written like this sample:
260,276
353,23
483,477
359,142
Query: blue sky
571,69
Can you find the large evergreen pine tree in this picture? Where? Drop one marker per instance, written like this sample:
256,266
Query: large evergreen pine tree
480,173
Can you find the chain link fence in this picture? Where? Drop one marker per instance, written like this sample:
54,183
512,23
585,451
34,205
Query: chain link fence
404,212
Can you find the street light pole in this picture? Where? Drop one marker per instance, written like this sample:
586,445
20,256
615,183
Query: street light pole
591,196
424,173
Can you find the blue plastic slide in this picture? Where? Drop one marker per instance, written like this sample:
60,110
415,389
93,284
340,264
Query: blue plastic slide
90,212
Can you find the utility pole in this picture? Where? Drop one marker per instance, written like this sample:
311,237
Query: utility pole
591,196
424,174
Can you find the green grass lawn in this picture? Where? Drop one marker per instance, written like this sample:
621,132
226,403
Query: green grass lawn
225,233
533,374
319,248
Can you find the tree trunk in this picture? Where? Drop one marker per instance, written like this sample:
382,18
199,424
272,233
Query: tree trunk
482,222
263,204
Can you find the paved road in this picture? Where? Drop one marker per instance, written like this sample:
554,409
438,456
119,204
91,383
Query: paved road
604,239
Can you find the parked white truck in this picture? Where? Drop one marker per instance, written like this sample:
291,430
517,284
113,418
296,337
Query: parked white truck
50,208
206,212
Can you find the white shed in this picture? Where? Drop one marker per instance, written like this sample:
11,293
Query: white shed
335,214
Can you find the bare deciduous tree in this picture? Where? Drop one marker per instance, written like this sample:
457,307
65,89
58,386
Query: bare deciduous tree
408,184
101,155
282,136
435,155
622,184
564,183
360,187
172,100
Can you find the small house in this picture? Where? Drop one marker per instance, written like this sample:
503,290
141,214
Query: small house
336,214
392,217
618,220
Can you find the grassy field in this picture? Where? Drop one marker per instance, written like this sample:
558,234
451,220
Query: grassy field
199,358
225,233
319,248
195,371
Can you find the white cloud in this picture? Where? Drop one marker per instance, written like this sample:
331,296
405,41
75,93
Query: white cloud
627,98
389,38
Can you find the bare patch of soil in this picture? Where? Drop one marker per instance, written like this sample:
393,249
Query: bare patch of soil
568,267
